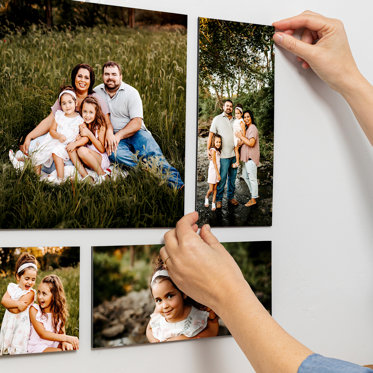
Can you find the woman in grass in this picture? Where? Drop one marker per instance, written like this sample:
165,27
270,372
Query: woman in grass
82,80
15,327
93,133
48,319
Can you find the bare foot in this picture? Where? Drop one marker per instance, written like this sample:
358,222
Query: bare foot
251,202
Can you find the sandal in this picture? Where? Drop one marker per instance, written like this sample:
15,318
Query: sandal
213,206
206,202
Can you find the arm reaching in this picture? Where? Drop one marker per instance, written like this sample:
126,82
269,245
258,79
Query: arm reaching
268,347
324,48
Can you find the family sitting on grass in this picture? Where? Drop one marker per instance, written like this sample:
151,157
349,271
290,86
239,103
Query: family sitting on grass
29,327
89,128
230,141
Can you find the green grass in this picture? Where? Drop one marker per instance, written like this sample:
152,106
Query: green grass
70,280
33,66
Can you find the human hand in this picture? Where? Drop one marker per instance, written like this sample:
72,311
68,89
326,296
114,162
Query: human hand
84,130
62,138
25,146
209,156
66,346
218,177
22,305
70,147
74,341
111,142
199,265
323,46
238,134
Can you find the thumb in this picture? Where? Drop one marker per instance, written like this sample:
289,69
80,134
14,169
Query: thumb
293,45
208,237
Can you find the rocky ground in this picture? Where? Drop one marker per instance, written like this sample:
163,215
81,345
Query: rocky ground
123,321
258,215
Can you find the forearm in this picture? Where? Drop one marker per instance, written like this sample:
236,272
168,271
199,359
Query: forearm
54,134
42,128
130,129
268,347
50,336
10,303
358,93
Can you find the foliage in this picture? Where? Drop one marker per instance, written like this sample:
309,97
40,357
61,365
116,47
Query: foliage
70,280
33,66
254,260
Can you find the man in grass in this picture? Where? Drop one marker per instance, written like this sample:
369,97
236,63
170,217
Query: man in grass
127,138
222,125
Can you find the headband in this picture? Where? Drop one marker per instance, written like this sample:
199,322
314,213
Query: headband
162,272
72,93
240,109
26,265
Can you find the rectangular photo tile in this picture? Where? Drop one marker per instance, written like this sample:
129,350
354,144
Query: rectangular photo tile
235,123
92,106
39,289
136,302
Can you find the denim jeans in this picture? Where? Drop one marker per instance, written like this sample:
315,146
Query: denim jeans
142,145
321,364
249,174
226,170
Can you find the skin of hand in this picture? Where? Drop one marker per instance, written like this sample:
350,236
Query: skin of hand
84,130
22,305
62,138
74,341
66,346
111,142
71,146
212,277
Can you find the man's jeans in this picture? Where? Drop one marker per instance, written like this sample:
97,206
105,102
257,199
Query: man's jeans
227,170
142,145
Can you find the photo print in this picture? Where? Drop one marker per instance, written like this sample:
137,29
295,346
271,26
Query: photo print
235,123
39,289
136,302
92,107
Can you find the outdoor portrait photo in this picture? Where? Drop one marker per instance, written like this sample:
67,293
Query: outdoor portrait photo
92,107
136,302
235,123
39,290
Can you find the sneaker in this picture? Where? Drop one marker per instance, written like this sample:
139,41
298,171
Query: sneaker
213,206
206,202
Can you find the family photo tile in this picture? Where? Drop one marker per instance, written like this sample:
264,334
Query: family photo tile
235,123
135,301
39,290
107,149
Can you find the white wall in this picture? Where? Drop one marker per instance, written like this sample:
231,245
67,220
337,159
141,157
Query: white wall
322,212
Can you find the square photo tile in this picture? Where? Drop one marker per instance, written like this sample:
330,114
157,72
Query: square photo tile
136,302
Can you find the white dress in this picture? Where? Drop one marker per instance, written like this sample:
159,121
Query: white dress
236,128
15,328
192,325
69,127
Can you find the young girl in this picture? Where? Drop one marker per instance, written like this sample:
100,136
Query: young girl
48,319
93,131
64,130
15,328
238,126
175,317
213,176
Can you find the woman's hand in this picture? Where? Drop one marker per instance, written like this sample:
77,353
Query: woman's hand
239,134
25,146
66,346
71,147
74,341
323,46
199,265
62,138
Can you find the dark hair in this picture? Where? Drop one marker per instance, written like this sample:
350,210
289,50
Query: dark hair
215,136
58,304
227,100
65,88
22,259
74,73
251,115
112,64
99,120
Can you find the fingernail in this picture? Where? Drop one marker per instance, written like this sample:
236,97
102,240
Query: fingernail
207,227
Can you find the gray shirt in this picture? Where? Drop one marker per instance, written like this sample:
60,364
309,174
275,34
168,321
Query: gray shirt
222,126
125,105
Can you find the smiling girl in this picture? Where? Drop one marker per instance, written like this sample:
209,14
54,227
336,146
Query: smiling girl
48,319
176,316
15,328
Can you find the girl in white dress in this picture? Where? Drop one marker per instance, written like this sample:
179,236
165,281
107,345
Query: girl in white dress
175,317
15,327
64,130
238,126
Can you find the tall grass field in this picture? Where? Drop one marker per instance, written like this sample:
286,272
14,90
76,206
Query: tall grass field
33,66
70,280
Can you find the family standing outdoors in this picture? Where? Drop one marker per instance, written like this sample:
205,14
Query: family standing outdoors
92,127
231,140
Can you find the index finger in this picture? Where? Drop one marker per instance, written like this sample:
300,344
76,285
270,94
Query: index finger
309,20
